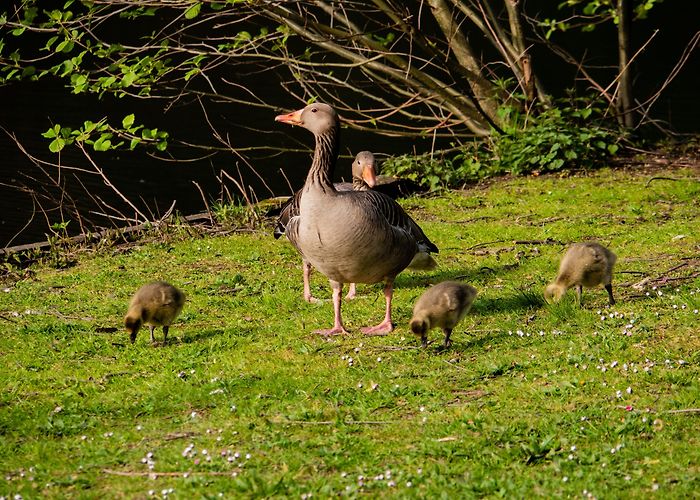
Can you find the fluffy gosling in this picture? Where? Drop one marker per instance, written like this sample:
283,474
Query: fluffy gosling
441,306
584,264
154,304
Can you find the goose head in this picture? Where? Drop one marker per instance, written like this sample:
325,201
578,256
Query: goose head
318,118
554,292
364,168
133,323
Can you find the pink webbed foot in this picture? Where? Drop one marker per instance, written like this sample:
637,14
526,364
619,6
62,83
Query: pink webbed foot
332,332
383,328
310,299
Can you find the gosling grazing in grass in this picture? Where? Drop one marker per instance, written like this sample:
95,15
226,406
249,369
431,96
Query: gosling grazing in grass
584,264
154,304
441,306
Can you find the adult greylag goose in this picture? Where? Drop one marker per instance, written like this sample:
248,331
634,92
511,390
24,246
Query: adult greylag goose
349,236
441,306
364,176
586,264
154,304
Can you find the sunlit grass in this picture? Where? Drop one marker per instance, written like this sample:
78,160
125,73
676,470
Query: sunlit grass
532,399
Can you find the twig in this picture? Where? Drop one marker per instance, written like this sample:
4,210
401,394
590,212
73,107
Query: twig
455,366
331,422
486,243
547,241
684,410
662,178
164,474
2,316
206,204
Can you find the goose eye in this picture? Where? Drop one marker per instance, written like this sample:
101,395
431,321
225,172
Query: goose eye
313,110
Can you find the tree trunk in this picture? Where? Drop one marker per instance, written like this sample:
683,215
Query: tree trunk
624,102
483,89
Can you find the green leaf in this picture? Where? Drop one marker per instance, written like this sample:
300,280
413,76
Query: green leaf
128,79
193,11
103,143
128,120
65,46
612,148
57,145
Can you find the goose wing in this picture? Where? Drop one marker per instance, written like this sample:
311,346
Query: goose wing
289,209
397,217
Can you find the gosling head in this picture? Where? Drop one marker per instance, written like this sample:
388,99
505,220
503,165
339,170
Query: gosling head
554,292
318,118
420,327
133,323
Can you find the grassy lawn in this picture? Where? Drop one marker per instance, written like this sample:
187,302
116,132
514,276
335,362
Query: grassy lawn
246,401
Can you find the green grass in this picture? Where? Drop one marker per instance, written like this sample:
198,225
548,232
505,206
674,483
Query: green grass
530,400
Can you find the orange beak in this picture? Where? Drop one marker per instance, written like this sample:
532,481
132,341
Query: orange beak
369,176
293,118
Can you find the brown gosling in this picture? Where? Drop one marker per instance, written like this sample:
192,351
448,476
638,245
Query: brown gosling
441,306
154,304
584,264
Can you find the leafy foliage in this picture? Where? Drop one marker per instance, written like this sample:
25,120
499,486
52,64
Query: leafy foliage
558,138
101,135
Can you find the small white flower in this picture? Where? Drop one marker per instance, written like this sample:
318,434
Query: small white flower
565,478
409,484
247,456
193,414
379,359
629,390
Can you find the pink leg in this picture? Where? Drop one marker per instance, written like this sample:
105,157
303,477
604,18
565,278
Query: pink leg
385,326
307,287
351,292
338,328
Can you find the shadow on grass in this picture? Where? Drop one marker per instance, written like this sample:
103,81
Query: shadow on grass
416,279
522,300
202,335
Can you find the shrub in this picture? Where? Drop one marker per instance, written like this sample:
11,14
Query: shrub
555,139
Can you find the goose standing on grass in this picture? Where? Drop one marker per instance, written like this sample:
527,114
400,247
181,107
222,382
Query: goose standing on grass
364,177
584,264
441,306
154,304
349,236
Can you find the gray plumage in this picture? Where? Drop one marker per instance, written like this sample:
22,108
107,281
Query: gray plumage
350,236
583,265
364,176
154,304
441,306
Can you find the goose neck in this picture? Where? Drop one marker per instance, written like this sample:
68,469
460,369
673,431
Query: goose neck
325,157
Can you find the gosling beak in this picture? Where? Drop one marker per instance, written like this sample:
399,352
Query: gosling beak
369,176
293,118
